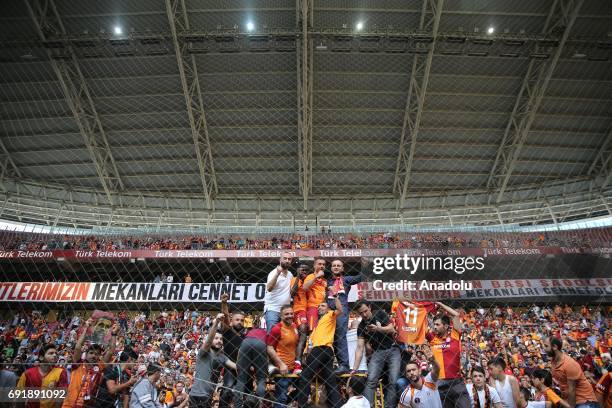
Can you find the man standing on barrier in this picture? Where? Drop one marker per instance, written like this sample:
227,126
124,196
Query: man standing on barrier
233,333
282,342
378,331
278,291
300,301
340,285
252,355
445,343
321,358
315,286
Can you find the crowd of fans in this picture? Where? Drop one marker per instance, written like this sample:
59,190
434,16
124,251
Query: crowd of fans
183,357
600,237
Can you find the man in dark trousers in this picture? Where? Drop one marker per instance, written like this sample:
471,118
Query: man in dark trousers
233,334
339,284
321,357
377,330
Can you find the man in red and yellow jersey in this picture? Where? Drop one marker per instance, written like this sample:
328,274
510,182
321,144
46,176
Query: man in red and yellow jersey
86,374
44,375
300,300
445,343
321,358
315,286
282,341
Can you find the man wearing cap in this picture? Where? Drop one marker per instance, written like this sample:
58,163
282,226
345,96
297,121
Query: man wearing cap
144,394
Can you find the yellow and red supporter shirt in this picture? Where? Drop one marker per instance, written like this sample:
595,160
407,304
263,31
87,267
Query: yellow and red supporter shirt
84,382
33,378
284,339
300,299
447,352
323,334
317,292
411,320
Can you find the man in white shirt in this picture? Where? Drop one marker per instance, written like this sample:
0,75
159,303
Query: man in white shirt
355,388
487,396
421,392
507,386
278,291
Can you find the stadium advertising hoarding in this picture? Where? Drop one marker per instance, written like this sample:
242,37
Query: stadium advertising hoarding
254,292
276,253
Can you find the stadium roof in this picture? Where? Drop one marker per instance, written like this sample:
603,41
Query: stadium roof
230,112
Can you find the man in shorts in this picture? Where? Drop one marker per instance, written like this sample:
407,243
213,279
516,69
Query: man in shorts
300,301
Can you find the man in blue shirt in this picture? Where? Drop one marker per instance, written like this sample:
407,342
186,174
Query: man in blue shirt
340,284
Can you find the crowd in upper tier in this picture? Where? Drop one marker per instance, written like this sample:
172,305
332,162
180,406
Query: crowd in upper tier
599,237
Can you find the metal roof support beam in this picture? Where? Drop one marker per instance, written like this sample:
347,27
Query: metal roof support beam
550,211
305,96
177,18
602,165
603,200
539,72
48,25
8,168
419,78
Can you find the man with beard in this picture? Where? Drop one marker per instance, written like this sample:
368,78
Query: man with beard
300,301
321,357
315,286
377,330
445,343
575,388
233,334
116,382
86,375
506,386
180,397
422,392
209,362
44,375
340,285
282,342
278,291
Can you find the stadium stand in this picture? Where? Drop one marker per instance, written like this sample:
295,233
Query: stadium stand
306,204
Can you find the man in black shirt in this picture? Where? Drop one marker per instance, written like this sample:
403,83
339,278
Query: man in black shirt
116,382
378,330
233,334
